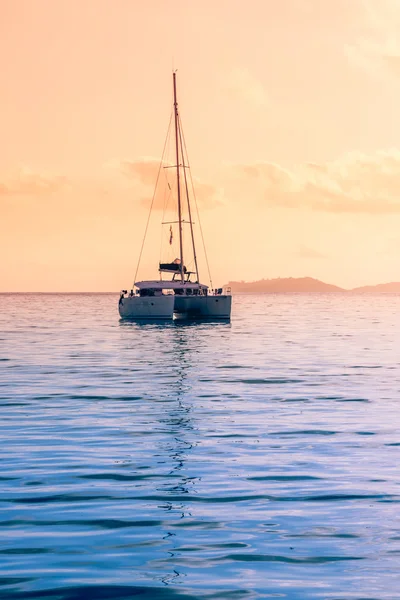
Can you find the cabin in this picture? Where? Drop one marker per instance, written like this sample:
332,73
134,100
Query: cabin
178,288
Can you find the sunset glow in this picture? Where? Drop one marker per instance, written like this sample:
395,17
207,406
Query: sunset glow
290,112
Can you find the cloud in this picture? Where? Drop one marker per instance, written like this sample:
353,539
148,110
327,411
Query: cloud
246,86
271,174
144,169
356,183
143,173
27,182
306,252
377,46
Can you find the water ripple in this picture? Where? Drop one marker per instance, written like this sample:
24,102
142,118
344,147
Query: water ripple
247,460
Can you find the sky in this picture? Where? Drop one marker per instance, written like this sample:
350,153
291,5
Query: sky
291,117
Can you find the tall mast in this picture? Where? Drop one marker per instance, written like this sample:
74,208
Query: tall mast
178,176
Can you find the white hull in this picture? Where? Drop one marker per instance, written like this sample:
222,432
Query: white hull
203,307
168,306
147,307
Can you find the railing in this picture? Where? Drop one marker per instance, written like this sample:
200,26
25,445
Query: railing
225,291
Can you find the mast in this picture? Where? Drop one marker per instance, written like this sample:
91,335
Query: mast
178,176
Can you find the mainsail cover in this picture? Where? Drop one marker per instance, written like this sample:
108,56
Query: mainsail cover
174,267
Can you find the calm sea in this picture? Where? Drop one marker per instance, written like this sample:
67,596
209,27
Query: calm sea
256,459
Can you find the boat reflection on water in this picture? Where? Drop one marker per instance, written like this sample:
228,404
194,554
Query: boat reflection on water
175,425
175,449
174,323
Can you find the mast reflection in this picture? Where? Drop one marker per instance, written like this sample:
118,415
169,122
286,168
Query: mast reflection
181,433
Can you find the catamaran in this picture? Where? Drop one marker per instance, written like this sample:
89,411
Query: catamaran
181,295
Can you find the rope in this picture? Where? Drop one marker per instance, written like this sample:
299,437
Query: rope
197,208
167,192
152,202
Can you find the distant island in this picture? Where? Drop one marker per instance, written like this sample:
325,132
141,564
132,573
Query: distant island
305,284
382,288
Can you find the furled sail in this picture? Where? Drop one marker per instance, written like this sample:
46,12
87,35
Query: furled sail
174,267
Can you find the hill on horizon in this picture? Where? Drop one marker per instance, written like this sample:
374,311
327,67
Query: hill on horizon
385,288
285,284
307,285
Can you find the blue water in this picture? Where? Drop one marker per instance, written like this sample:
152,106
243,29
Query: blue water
254,459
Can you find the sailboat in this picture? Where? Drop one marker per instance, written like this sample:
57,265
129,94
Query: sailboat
181,294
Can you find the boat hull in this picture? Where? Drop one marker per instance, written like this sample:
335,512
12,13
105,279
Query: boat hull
147,307
203,307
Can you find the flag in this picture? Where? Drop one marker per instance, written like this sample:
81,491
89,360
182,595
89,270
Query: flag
170,234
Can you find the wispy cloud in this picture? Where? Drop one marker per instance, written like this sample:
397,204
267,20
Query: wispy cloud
27,182
377,46
356,183
143,172
309,253
242,83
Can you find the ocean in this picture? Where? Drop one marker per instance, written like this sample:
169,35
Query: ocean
252,459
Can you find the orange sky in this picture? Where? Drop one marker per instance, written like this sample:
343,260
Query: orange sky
290,111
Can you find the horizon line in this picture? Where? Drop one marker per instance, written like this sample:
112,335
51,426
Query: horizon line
339,289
